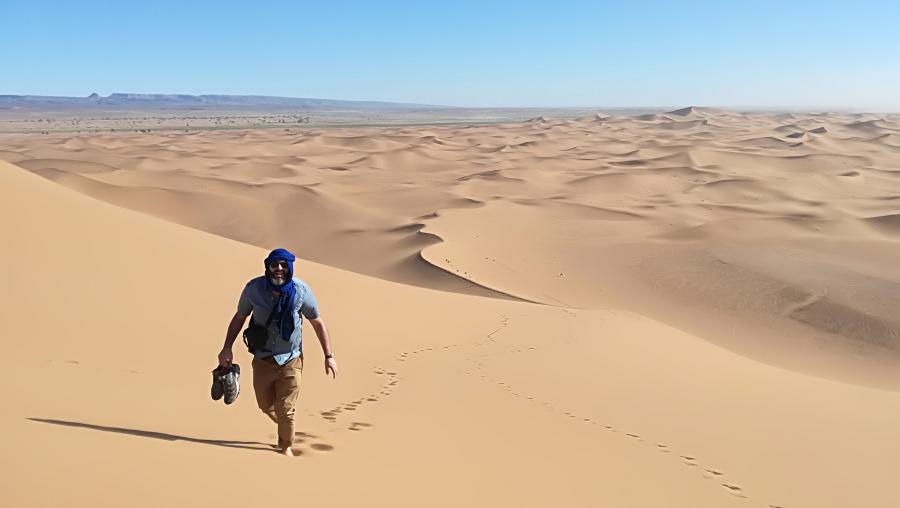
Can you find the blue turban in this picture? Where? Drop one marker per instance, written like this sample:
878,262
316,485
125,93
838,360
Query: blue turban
282,315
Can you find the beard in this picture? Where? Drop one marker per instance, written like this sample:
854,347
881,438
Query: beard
276,280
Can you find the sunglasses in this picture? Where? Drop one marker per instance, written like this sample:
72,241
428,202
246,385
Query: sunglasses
276,264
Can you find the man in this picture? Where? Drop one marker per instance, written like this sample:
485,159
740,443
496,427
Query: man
279,302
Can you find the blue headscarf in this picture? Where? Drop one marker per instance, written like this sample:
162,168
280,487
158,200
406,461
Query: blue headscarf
282,315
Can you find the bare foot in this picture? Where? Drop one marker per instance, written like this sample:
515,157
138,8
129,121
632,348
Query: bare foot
287,452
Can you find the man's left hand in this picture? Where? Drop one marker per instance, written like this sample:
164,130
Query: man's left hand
331,365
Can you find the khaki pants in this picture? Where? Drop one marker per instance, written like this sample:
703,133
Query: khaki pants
277,388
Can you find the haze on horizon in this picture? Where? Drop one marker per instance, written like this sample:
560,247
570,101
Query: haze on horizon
759,55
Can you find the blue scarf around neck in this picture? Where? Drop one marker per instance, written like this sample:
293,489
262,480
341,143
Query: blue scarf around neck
282,315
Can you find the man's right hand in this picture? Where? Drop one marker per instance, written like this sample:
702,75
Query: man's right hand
225,357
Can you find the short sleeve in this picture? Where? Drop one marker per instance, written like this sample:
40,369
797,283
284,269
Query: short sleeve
309,308
245,307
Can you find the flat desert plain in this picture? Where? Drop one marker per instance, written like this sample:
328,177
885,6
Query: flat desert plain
689,309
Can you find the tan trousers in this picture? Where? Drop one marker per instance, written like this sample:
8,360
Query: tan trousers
277,388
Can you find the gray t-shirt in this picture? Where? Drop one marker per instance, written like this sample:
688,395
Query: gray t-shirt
258,300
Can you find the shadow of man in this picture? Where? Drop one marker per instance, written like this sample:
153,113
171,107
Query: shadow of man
247,445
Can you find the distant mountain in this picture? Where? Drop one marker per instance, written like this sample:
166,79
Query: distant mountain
180,101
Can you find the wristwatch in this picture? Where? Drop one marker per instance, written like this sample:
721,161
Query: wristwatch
329,355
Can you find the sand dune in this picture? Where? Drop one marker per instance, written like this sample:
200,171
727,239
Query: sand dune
697,176
504,404
770,259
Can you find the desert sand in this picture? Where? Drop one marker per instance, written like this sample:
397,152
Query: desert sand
685,309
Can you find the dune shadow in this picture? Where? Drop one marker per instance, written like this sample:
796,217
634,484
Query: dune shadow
247,445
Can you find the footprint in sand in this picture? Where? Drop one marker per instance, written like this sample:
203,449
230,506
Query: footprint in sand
689,461
734,490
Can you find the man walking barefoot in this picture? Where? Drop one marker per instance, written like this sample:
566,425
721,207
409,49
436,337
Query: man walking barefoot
278,302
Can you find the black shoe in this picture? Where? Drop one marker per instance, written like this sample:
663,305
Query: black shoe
231,382
218,388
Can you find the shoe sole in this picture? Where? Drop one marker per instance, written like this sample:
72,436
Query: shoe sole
233,376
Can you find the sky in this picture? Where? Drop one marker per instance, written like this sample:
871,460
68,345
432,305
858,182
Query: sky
755,54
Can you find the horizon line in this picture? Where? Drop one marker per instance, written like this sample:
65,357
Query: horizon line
736,108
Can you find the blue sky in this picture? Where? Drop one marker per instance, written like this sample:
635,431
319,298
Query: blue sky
786,54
